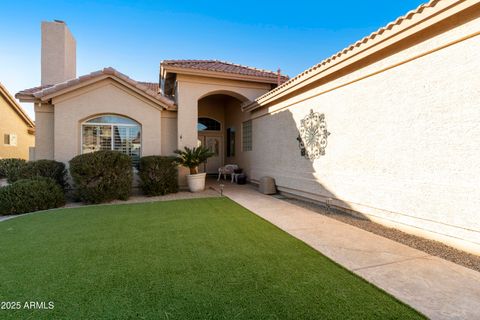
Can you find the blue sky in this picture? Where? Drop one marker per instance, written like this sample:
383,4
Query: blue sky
134,36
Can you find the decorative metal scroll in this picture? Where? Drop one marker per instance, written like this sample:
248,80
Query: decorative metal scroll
313,134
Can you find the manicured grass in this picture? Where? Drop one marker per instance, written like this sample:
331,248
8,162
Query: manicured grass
188,259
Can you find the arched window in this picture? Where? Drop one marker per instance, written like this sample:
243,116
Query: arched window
112,132
208,124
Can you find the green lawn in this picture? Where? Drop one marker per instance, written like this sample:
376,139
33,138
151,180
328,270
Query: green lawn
187,259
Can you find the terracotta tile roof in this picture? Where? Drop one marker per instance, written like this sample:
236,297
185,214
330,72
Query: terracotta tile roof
151,85
151,89
34,89
377,36
224,67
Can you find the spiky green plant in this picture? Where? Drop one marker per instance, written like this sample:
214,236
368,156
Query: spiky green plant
193,157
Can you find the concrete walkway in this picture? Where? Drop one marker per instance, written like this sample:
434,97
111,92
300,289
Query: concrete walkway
437,288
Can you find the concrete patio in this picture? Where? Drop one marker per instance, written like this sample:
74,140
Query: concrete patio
438,288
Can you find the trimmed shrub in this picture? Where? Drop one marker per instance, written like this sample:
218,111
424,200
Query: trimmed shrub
102,176
158,175
9,168
28,195
44,168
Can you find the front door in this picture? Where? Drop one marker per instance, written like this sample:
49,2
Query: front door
215,144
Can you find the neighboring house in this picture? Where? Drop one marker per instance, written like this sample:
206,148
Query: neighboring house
17,130
388,127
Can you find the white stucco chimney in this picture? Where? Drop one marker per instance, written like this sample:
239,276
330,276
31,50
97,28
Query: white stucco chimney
59,51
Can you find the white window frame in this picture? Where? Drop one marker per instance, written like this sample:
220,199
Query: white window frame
10,135
86,123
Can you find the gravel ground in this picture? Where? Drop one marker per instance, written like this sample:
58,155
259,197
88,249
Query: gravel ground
136,197
434,248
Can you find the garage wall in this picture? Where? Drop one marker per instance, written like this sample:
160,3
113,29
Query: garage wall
404,145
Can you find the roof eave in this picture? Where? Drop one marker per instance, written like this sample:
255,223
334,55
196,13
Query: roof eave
216,74
365,47
25,97
250,106
49,93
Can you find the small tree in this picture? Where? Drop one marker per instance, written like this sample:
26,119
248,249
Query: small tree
193,157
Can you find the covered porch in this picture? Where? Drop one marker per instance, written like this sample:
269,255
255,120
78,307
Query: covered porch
219,128
208,95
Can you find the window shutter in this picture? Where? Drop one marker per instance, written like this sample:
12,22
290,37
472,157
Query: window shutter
13,139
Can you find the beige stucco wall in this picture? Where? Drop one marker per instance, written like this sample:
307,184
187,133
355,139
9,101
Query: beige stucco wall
58,53
44,132
213,107
11,123
169,132
105,97
404,143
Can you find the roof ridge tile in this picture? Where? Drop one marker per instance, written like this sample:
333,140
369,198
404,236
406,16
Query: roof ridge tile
222,66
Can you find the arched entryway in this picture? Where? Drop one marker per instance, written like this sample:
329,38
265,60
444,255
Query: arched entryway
219,119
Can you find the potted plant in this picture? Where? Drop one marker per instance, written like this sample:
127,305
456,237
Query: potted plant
191,158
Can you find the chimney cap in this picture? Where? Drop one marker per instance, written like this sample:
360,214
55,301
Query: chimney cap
59,21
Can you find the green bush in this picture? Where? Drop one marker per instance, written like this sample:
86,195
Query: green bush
28,195
9,168
158,175
102,176
44,168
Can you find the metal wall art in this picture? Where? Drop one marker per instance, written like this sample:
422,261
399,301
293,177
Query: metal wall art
312,137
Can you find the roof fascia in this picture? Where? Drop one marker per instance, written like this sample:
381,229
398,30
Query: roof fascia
101,77
445,10
216,74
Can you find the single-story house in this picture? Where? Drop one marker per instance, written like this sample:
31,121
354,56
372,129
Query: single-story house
17,130
195,100
387,127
